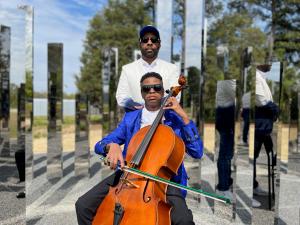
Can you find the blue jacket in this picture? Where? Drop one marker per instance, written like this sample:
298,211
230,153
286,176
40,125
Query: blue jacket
264,118
131,123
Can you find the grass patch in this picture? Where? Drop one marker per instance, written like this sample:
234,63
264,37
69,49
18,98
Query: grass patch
40,121
95,118
68,120
13,123
40,135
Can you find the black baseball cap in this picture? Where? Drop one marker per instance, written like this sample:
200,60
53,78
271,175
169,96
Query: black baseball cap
149,29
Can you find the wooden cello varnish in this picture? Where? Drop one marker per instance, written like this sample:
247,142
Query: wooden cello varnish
154,149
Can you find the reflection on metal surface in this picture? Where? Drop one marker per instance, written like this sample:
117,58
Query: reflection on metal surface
164,13
244,141
29,17
268,130
293,157
109,84
106,76
82,151
20,151
55,97
298,118
225,127
136,54
223,58
194,11
5,89
21,117
288,192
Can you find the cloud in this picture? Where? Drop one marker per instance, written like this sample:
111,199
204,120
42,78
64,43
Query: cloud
54,22
91,4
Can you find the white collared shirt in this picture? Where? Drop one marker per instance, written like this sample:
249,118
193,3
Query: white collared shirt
129,82
148,67
148,117
225,95
246,100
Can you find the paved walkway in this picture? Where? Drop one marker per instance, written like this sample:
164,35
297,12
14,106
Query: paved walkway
12,210
52,202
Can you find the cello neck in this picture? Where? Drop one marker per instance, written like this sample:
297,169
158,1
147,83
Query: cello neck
140,153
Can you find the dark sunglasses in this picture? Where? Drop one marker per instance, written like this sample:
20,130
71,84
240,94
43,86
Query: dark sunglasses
147,88
154,40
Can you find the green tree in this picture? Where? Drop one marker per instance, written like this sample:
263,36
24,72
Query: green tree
29,85
115,26
13,95
289,89
236,31
213,8
193,81
282,24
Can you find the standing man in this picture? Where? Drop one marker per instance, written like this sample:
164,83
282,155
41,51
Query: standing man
225,114
266,112
128,91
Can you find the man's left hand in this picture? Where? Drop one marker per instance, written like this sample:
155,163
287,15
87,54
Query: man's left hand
172,103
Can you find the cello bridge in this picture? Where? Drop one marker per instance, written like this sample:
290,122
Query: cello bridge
129,183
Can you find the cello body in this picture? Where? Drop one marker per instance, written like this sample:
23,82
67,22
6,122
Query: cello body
144,201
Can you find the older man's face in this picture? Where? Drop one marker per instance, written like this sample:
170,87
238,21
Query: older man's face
149,45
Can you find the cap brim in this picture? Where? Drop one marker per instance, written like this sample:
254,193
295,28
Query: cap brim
149,29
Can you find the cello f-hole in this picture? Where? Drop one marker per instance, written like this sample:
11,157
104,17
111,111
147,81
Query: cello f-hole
146,199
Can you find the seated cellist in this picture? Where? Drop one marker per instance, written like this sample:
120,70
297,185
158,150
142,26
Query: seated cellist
152,92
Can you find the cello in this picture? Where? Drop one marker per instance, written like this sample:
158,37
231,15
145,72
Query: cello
141,199
137,200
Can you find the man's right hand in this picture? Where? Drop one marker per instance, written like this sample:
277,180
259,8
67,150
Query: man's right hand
138,106
114,155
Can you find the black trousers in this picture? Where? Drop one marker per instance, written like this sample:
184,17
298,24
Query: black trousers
20,162
87,204
259,140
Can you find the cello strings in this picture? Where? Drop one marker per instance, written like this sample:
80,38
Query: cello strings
180,186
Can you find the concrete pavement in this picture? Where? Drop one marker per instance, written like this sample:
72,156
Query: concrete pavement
52,202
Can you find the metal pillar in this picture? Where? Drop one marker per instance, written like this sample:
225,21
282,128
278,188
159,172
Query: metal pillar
5,89
82,151
55,109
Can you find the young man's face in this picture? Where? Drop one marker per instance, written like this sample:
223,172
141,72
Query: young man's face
152,92
149,46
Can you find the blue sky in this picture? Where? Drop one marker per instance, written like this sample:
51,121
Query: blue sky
55,21
62,21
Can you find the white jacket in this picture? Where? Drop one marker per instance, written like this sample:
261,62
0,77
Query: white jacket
129,82
263,93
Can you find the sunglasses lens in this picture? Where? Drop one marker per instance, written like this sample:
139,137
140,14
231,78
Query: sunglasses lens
145,40
157,87
147,88
153,40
